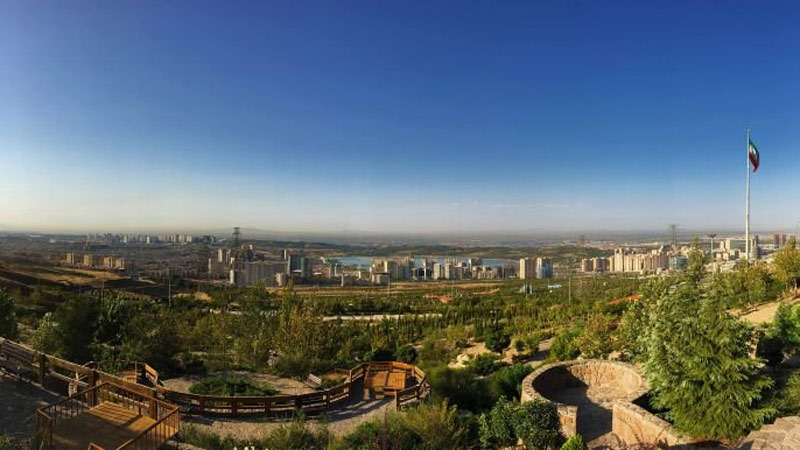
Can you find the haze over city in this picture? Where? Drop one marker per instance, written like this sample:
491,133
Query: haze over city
396,118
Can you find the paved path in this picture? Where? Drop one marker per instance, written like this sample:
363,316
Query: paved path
340,420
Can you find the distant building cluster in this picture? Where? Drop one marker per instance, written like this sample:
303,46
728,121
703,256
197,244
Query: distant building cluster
632,260
94,261
243,267
113,239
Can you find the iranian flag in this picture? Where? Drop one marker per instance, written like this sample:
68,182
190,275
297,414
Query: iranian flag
752,152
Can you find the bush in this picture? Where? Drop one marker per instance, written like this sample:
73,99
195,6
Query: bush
296,435
574,443
230,386
497,340
564,346
436,425
595,341
432,426
459,387
406,354
536,423
788,403
8,317
378,434
770,347
497,427
483,364
507,382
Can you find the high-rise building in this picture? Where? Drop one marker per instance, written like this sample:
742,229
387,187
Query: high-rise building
544,268
527,268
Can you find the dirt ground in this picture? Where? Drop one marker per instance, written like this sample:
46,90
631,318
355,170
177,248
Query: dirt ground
18,404
282,385
764,313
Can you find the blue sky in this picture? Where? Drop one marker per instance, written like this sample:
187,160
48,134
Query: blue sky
397,116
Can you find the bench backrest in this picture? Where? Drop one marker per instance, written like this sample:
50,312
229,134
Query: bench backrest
12,351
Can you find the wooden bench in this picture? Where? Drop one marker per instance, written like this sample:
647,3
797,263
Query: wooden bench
314,381
16,359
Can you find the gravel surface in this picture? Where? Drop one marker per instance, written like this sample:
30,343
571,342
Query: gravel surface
18,404
282,385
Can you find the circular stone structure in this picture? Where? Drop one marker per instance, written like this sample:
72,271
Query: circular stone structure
584,393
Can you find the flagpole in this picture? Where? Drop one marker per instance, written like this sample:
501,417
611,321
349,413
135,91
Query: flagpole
747,201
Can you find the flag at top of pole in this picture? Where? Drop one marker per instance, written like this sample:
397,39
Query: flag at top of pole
752,153
752,158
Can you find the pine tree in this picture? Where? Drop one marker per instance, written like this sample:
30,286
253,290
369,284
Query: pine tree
697,361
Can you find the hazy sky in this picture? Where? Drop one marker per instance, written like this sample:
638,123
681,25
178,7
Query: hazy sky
397,116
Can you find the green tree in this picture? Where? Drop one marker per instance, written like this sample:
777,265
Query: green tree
595,341
748,286
786,264
697,361
47,338
8,317
564,346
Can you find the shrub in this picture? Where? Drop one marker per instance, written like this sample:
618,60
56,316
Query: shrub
459,387
8,318
564,346
574,443
483,364
386,433
497,340
406,354
496,428
595,341
789,397
538,425
436,425
296,435
230,386
507,382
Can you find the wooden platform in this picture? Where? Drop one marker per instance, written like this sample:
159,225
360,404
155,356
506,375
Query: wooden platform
107,425
385,382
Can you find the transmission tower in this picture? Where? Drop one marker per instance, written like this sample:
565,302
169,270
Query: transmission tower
236,234
673,233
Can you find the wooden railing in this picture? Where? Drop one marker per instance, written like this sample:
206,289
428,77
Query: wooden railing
165,415
83,377
154,436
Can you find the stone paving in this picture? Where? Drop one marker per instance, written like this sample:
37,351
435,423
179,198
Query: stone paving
784,434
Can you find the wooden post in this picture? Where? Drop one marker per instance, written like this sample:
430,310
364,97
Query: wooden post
42,368
234,406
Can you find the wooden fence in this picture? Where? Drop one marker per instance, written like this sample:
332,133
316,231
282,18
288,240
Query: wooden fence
77,377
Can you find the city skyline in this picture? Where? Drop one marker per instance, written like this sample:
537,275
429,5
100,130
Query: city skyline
412,118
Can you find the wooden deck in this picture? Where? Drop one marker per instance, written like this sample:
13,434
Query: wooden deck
385,382
107,425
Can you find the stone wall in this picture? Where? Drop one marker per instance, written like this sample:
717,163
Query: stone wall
617,384
635,425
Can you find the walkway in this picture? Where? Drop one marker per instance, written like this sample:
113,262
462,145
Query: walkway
340,420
